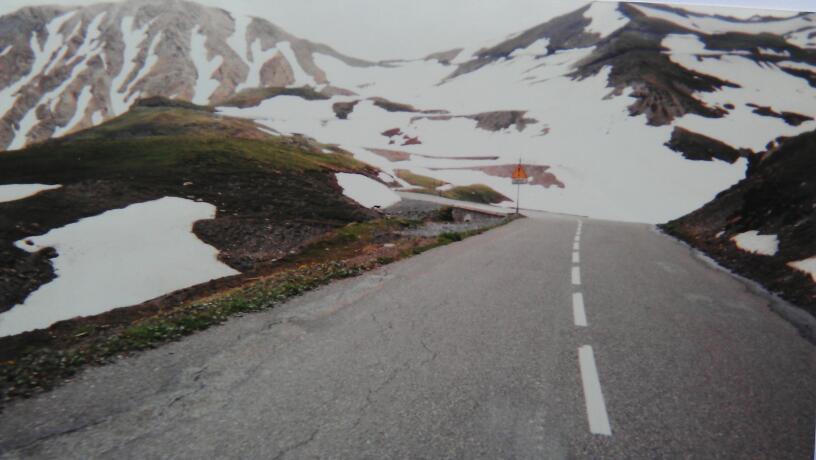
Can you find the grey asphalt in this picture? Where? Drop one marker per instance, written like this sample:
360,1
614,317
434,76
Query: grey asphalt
466,351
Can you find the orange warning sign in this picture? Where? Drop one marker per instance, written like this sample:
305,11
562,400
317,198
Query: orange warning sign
520,175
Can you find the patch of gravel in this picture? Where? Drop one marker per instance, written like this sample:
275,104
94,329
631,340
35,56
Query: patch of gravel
437,228
419,210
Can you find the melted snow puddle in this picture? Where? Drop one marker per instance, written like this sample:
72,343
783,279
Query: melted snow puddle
119,258
16,192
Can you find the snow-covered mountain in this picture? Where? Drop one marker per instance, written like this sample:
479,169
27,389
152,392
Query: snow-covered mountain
64,69
623,111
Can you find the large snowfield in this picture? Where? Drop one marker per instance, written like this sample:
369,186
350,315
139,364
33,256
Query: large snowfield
119,258
613,166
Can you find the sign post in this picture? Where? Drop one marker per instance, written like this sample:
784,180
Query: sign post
519,178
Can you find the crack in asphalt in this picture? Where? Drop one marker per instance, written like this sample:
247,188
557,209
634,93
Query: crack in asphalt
369,399
297,445
62,433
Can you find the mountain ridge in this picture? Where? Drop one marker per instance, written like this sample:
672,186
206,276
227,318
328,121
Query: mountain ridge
98,59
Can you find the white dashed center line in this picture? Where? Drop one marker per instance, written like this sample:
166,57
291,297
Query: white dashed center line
576,276
576,257
595,405
576,246
578,311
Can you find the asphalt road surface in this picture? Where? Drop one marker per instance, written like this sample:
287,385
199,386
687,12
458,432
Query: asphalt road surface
518,343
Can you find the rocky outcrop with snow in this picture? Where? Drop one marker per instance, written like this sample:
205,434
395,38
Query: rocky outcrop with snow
764,227
64,69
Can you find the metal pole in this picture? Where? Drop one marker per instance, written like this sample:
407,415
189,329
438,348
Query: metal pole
518,197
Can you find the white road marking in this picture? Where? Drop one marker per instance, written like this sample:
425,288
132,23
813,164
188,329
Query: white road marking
576,276
576,257
578,311
576,246
595,405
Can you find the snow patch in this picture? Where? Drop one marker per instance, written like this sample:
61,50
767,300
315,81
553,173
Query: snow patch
205,68
366,191
714,25
57,59
14,192
537,48
119,258
764,85
772,52
606,18
238,40
808,266
752,241
133,39
150,61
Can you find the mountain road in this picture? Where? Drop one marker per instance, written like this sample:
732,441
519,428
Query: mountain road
550,337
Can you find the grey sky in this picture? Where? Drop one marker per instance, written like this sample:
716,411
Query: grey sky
387,29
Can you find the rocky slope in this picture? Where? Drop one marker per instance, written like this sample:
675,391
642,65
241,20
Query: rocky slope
776,203
635,52
63,69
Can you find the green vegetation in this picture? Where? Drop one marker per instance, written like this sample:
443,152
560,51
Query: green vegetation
160,141
475,193
450,237
254,96
420,181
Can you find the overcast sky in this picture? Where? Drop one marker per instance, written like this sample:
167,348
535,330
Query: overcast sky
387,29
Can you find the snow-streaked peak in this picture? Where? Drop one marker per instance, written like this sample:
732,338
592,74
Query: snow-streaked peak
91,63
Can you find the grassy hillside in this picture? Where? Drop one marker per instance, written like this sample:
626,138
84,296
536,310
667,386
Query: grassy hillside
273,194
